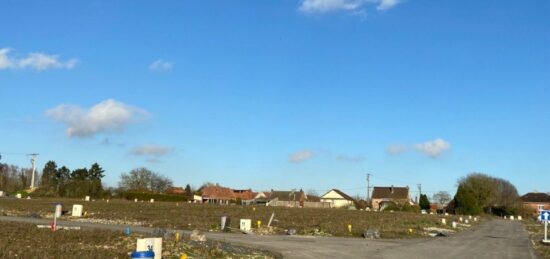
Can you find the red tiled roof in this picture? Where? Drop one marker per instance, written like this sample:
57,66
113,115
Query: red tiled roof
535,197
175,190
244,194
218,192
401,193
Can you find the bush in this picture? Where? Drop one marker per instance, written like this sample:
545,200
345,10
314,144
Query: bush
410,208
23,193
145,196
402,207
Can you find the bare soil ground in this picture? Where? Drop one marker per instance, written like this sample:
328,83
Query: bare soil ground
23,240
330,222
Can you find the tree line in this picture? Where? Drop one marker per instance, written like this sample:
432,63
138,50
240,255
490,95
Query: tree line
14,178
63,182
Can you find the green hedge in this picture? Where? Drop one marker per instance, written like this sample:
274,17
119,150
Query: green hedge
146,196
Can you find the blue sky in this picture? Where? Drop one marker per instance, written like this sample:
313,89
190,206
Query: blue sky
308,94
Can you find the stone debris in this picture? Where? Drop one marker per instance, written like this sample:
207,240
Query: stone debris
438,232
265,231
372,234
197,236
318,232
291,232
159,232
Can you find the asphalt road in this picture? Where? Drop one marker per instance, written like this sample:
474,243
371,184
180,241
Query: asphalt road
493,239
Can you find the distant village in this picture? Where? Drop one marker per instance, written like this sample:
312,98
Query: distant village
382,197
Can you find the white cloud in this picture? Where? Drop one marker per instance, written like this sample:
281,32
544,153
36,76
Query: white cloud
151,150
324,6
35,61
433,148
300,156
356,7
161,65
104,117
397,149
387,4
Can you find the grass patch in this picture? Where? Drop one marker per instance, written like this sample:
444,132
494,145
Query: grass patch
536,234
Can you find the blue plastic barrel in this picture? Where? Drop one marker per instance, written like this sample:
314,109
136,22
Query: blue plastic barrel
143,255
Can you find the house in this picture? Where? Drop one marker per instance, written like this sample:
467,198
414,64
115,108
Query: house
536,201
245,196
261,198
175,190
384,196
437,208
337,199
216,194
296,199
287,198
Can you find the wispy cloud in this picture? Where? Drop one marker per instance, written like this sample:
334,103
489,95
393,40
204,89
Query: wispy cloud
36,61
151,150
161,65
432,148
300,156
387,4
355,7
105,117
109,142
396,149
324,6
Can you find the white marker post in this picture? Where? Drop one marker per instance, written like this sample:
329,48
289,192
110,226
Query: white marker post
545,215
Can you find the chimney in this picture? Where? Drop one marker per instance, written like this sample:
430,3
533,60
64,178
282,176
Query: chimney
391,189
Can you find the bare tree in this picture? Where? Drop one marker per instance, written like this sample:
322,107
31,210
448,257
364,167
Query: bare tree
312,192
441,197
143,179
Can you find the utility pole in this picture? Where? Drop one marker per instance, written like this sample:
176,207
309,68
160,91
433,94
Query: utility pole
419,191
368,188
33,162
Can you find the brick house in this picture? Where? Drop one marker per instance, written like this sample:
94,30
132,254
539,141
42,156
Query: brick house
216,194
536,201
384,196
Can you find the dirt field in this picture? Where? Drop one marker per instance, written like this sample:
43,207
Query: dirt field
23,240
207,217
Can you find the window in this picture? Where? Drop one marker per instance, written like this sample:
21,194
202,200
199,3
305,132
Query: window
540,207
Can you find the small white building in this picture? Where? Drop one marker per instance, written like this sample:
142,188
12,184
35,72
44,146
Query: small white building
197,199
337,199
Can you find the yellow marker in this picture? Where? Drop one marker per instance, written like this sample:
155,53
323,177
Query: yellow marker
177,236
349,228
410,230
183,256
259,223
85,213
253,208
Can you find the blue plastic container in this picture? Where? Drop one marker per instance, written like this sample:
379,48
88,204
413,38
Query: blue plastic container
143,255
